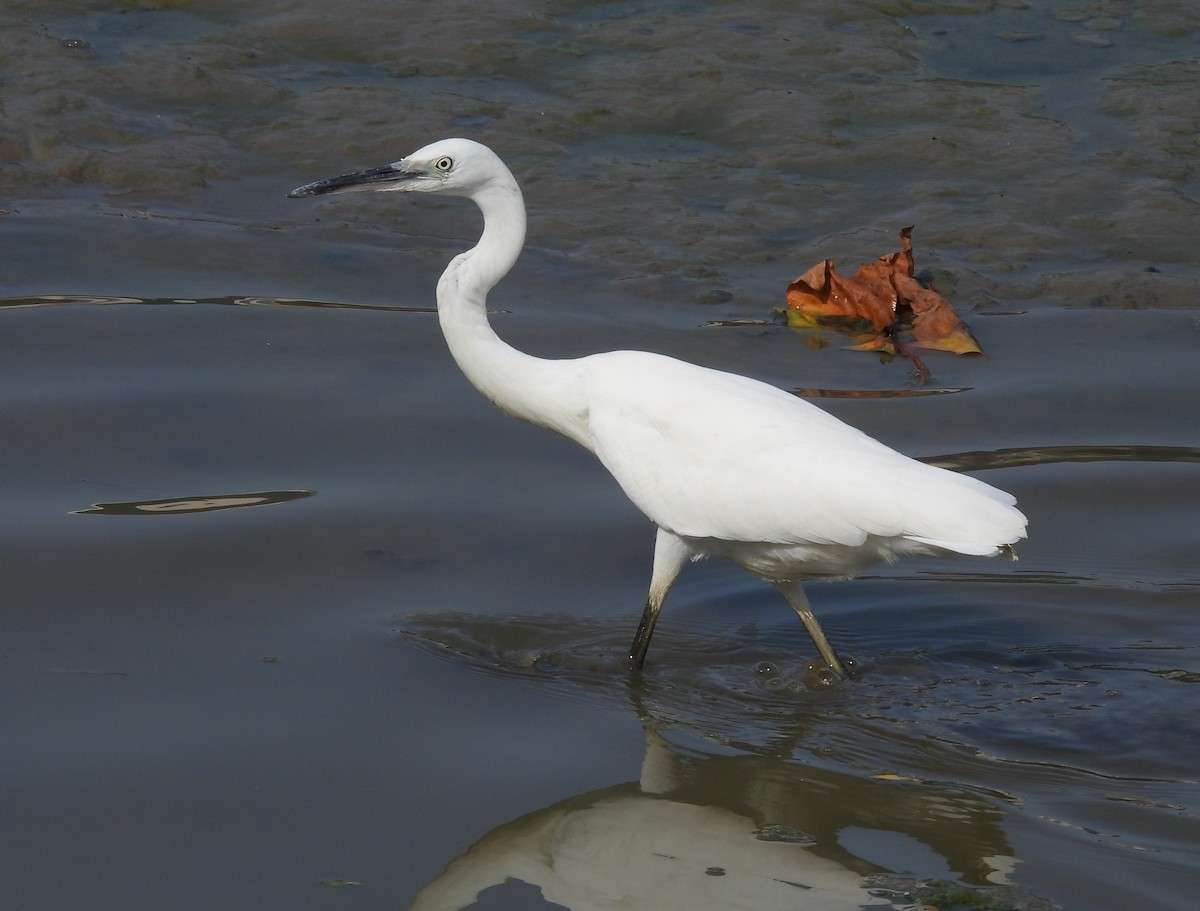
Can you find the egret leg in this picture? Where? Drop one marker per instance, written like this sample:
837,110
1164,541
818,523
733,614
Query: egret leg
671,554
794,593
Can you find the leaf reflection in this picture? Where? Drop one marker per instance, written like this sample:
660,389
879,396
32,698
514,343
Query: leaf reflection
193,504
62,300
1048,455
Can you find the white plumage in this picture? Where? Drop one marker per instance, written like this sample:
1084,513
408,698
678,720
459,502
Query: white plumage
722,464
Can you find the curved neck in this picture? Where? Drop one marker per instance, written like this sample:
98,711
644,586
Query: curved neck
541,391
481,267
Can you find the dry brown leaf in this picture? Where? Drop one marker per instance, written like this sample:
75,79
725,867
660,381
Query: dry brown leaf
875,303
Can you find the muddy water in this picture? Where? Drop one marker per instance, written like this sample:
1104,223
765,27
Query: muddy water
341,635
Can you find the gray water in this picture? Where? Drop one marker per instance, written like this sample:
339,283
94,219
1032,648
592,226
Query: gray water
341,635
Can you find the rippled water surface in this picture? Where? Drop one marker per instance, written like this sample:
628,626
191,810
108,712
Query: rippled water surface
293,618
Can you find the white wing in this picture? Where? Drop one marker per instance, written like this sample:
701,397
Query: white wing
707,454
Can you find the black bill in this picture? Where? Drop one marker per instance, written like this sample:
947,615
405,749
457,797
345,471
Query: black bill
371,179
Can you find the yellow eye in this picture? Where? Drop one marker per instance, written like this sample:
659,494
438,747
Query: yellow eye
444,164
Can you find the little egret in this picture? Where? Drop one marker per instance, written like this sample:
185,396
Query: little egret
721,463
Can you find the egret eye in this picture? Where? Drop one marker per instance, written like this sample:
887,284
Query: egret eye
444,164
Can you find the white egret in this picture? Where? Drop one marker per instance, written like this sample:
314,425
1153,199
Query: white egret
723,465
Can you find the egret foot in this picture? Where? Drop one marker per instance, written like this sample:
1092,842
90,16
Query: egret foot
819,675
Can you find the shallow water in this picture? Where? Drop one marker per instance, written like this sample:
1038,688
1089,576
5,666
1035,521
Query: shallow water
342,635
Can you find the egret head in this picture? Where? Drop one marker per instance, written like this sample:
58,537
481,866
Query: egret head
457,167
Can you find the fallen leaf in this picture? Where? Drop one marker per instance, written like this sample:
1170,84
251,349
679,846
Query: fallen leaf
878,302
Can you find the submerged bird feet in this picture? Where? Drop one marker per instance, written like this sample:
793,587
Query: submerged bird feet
815,675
